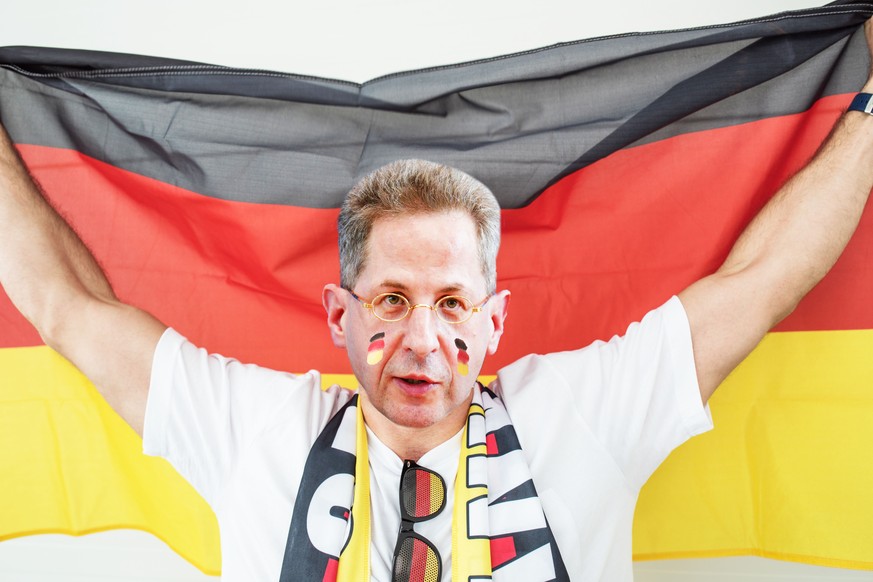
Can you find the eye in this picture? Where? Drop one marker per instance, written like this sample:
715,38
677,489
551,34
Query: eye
390,306
390,303
452,303
392,299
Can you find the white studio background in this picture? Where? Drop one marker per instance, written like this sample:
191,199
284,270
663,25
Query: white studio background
354,41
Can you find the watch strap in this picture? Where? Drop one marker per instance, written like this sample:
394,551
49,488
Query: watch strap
862,102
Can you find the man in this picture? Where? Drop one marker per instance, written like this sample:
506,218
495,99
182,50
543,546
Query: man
536,478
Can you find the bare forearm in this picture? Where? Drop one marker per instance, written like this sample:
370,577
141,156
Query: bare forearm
801,232
53,279
783,253
44,266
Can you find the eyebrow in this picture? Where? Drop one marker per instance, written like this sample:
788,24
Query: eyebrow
450,288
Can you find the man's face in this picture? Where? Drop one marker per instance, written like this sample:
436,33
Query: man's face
416,381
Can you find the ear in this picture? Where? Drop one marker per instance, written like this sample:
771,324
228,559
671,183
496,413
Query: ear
499,307
334,300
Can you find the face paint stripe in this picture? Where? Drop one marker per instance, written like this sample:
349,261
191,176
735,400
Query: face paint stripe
376,349
463,357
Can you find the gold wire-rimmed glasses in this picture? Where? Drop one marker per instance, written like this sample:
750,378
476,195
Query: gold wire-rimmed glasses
391,307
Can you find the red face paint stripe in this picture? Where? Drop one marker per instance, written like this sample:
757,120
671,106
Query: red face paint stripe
463,357
377,345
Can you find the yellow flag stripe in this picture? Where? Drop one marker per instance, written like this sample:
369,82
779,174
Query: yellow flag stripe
786,473
788,470
71,465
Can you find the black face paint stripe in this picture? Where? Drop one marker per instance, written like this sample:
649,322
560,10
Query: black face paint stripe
459,343
378,336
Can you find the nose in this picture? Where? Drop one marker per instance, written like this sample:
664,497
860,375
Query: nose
422,330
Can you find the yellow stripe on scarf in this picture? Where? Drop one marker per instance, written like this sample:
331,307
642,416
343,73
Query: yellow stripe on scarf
354,564
470,557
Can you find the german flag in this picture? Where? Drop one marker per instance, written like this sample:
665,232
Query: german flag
626,167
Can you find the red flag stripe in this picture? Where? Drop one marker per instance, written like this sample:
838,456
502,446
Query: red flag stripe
245,279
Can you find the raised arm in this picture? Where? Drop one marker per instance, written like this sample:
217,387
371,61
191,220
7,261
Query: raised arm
784,252
54,281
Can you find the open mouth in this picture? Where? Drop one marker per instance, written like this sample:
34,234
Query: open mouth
413,381
416,383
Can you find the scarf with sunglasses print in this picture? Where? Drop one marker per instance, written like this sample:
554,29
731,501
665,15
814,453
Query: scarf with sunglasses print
499,530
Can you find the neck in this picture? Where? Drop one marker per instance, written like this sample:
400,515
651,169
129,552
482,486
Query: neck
412,442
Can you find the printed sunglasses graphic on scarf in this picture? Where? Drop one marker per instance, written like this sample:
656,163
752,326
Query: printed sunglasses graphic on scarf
422,497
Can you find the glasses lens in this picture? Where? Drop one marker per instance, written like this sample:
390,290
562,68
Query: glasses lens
422,493
390,306
454,309
416,560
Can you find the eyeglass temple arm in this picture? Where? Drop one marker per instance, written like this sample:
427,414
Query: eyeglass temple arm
478,308
364,303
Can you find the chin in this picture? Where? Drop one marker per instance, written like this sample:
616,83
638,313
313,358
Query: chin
413,416
427,411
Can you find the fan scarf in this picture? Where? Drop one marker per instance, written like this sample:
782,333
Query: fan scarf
499,530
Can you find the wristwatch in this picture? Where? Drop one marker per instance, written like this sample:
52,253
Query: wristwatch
862,102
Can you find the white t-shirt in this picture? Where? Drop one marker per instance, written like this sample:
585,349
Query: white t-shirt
593,424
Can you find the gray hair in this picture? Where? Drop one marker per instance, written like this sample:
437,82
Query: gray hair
415,186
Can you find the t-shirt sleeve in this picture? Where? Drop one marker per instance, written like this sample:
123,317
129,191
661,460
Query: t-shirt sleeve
637,394
204,409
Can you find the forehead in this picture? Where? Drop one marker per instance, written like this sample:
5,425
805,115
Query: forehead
434,251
